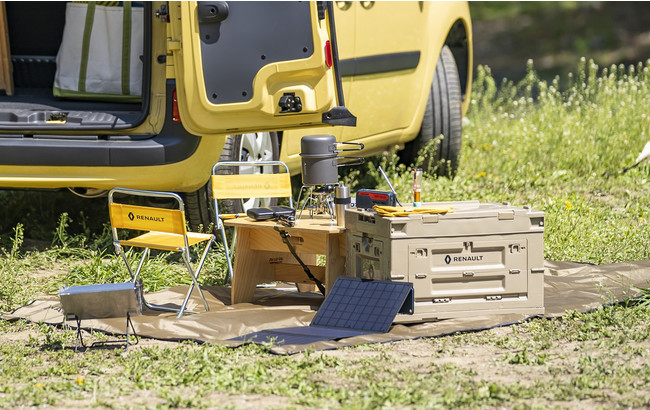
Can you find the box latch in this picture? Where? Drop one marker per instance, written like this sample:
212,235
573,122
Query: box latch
430,218
506,215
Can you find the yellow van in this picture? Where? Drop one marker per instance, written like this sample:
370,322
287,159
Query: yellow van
201,81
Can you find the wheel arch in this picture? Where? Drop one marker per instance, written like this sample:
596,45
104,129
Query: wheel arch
459,41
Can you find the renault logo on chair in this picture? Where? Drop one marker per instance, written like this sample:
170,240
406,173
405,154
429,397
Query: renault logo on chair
145,218
448,259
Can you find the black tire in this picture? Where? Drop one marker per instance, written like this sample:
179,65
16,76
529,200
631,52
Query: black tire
442,116
198,208
198,204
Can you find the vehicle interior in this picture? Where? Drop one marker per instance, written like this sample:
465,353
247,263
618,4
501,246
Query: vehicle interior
35,31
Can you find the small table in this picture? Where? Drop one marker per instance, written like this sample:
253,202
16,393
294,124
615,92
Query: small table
261,256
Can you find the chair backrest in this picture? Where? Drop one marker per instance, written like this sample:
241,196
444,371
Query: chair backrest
235,186
146,218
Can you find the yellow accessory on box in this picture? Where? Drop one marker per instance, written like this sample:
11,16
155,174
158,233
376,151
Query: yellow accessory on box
386,210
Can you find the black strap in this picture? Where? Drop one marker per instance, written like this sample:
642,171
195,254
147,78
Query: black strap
285,238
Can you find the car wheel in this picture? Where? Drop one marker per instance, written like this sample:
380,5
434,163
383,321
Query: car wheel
260,146
442,117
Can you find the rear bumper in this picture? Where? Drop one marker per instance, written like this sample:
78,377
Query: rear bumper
168,147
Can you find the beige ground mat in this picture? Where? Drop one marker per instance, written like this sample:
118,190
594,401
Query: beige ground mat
568,286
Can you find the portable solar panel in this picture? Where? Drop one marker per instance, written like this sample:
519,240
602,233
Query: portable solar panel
352,307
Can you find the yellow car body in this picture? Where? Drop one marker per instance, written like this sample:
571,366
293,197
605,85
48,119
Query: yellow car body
387,53
390,105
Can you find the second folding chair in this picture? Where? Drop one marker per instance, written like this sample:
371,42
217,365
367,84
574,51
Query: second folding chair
165,229
273,184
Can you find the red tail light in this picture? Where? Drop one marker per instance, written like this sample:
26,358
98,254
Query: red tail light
176,116
328,53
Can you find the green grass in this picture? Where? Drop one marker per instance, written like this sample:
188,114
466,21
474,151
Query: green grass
528,143
607,362
533,144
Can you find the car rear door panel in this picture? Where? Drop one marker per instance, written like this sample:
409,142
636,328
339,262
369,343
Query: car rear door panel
238,63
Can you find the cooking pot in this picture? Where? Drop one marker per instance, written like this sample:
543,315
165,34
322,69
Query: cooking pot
320,163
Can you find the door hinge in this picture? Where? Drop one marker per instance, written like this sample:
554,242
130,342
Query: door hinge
163,13
173,45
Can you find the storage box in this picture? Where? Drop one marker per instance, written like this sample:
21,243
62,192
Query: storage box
479,259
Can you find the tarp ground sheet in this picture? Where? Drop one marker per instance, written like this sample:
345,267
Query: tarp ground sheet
568,286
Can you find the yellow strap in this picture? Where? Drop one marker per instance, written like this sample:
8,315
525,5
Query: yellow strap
251,185
385,210
145,218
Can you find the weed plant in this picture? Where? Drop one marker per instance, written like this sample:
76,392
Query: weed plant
559,151
530,143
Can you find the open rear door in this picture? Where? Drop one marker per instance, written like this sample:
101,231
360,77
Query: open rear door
253,66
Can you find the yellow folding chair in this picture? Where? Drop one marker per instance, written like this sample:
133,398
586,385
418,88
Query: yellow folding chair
241,186
165,229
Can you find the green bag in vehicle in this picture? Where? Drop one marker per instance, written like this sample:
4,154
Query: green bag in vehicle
100,53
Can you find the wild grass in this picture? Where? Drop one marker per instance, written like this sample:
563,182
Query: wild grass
559,151
530,143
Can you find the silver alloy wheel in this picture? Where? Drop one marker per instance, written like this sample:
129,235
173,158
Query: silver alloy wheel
256,146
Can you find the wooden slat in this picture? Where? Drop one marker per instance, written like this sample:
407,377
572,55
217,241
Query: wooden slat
335,259
263,257
250,269
304,242
304,224
6,69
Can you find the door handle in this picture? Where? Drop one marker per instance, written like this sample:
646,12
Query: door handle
213,12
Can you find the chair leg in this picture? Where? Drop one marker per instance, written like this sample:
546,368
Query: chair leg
231,250
225,248
145,255
194,274
120,251
134,276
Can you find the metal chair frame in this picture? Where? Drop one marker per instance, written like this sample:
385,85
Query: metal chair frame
219,217
194,272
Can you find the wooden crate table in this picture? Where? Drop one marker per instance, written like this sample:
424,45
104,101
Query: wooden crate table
261,256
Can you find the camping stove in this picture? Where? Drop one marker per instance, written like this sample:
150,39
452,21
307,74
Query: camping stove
319,155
